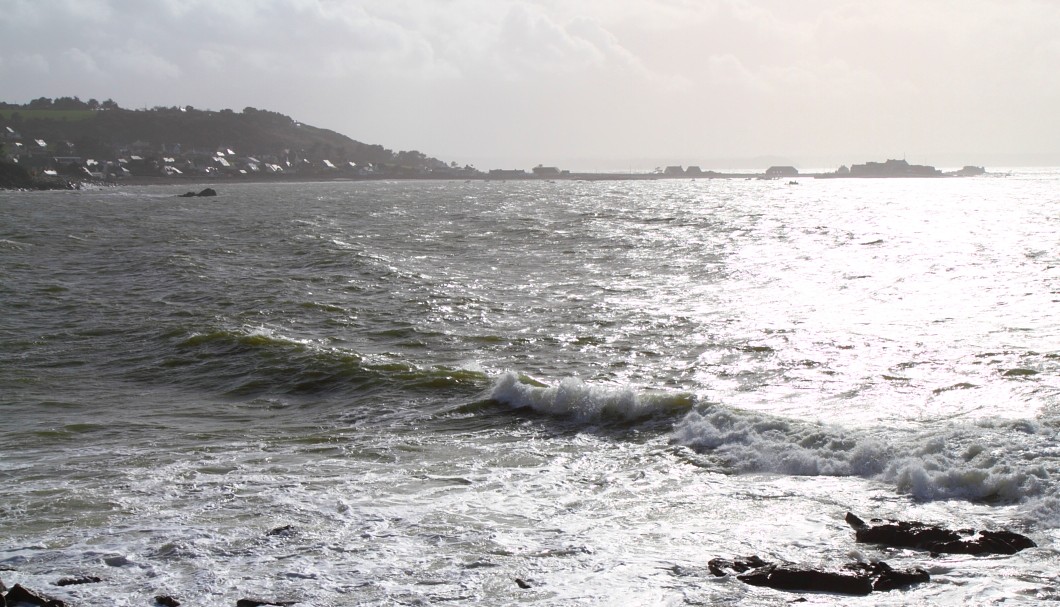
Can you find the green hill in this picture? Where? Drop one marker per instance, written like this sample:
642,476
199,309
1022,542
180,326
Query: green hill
72,127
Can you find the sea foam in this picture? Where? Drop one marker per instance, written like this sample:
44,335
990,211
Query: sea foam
583,401
994,460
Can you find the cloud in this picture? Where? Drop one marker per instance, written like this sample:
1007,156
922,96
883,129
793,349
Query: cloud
80,61
704,76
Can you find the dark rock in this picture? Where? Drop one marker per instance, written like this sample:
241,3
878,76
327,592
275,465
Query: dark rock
21,595
852,579
74,581
921,536
784,577
285,530
259,603
722,567
167,601
886,578
522,583
205,192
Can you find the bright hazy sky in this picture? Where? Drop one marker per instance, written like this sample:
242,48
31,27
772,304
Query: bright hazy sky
586,84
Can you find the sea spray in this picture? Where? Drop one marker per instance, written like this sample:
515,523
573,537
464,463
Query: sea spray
584,401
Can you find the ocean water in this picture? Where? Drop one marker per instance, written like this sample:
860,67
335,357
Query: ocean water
417,392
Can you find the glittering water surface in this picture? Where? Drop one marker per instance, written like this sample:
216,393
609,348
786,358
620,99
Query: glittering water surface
417,392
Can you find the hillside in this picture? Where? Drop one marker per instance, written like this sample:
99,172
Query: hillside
192,140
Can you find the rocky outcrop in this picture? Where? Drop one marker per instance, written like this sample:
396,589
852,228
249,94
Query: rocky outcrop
204,192
936,539
20,595
851,579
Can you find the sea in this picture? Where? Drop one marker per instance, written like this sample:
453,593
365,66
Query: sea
526,392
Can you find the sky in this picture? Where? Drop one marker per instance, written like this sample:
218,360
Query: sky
583,84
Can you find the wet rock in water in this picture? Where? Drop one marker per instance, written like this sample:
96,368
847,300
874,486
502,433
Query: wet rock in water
74,581
204,192
885,578
166,601
853,579
522,583
723,567
118,560
259,603
284,531
922,536
19,595
798,579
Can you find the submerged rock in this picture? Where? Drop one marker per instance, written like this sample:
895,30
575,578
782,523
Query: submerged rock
167,601
852,579
260,603
922,536
205,192
283,531
74,581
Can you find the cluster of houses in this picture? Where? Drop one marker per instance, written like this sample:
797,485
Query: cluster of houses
140,159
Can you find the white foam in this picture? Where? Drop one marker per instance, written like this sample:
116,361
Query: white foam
583,401
998,460
752,442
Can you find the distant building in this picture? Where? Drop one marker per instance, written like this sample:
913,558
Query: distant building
544,171
674,170
893,168
776,172
693,170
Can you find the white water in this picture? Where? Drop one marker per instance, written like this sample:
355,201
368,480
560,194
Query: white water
595,388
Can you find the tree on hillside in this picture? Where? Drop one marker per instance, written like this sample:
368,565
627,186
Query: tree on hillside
69,103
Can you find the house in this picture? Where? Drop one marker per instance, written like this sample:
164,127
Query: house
546,172
776,172
893,168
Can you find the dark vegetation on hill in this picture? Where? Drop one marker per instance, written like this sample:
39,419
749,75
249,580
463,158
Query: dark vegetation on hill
105,132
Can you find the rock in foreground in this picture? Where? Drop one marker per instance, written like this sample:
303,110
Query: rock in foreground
922,536
852,579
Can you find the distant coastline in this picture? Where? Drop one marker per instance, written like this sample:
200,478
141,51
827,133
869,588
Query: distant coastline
14,177
66,143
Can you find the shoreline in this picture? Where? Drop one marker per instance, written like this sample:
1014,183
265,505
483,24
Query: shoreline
61,182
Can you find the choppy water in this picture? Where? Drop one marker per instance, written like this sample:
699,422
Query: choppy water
594,387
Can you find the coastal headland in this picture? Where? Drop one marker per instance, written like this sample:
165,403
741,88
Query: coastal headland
64,143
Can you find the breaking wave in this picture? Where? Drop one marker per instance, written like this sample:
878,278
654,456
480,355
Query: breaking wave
586,402
990,460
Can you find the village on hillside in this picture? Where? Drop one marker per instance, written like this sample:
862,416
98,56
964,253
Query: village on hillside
68,140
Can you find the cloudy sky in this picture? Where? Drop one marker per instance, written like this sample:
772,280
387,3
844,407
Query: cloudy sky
588,84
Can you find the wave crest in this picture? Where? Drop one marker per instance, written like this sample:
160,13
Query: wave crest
1007,461
585,402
